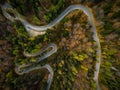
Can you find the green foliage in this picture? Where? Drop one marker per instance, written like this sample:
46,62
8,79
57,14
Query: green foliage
65,70
80,57
9,76
109,53
84,68
20,30
46,17
107,8
15,52
35,20
112,51
116,15
108,77
55,10
93,84
65,33
83,24
74,70
108,28
34,49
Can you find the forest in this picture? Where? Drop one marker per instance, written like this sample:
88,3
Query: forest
43,48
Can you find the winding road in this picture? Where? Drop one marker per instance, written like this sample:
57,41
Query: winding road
39,30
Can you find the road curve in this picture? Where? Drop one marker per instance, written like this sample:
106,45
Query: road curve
42,29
